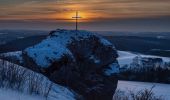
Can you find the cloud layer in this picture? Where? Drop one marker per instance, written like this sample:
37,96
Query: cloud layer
97,14
97,9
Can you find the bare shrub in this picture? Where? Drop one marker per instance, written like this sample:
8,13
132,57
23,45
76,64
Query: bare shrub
146,94
120,95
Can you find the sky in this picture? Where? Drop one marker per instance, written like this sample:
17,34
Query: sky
98,15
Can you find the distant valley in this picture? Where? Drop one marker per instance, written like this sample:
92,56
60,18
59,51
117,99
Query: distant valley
143,42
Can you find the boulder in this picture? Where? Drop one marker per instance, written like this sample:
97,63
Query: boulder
80,60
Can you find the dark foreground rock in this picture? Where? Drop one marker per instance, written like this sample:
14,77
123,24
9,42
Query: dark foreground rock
80,60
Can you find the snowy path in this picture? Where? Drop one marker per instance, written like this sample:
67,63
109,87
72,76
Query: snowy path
159,89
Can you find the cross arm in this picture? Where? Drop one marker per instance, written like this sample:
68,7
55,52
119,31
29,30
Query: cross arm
76,17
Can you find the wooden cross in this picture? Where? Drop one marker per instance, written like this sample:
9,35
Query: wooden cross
76,18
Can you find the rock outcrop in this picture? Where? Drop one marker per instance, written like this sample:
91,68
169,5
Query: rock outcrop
80,60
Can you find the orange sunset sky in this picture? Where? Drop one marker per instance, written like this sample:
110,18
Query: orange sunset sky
35,12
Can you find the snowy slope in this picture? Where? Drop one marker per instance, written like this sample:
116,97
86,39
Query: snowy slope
125,86
159,89
126,57
14,95
17,55
56,92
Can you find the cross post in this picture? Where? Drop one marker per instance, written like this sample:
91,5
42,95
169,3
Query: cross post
76,18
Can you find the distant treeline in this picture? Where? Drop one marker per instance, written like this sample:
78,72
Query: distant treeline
21,44
146,71
145,45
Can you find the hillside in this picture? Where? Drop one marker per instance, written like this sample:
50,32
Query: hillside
10,35
20,44
146,45
126,57
18,83
140,67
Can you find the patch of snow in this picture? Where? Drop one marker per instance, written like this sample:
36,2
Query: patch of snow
105,42
125,58
56,94
112,69
17,55
44,55
60,93
14,95
159,89
96,60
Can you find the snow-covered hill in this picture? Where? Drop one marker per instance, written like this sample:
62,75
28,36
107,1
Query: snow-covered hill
126,58
139,67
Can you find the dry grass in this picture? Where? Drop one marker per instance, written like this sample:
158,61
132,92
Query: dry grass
23,80
146,94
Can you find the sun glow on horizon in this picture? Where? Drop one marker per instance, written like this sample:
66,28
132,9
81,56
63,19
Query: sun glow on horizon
67,16
90,10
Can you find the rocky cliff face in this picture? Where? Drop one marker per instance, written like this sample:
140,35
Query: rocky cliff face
81,60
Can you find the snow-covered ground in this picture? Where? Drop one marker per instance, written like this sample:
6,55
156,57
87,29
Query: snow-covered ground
159,89
56,92
14,95
126,57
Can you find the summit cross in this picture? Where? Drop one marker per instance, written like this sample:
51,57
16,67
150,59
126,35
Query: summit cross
76,18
